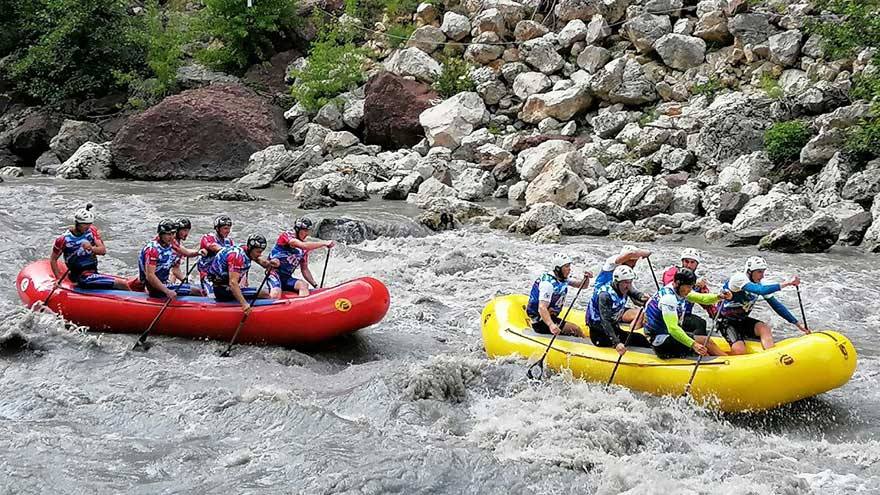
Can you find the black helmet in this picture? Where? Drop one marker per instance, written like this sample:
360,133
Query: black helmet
183,223
303,224
222,221
167,226
685,276
256,241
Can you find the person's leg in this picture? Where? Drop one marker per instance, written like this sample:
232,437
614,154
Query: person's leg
97,281
598,337
222,293
696,326
729,329
667,347
765,333
207,285
274,286
301,286
633,339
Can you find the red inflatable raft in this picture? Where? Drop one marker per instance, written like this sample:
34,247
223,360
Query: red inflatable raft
324,314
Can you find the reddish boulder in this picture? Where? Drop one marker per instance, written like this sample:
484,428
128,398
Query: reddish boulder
205,133
392,108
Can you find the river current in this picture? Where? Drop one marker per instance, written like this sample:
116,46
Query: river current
411,405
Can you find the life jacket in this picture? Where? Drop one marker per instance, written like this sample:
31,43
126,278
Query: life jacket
229,259
207,240
742,302
654,324
77,259
557,300
618,304
165,258
290,257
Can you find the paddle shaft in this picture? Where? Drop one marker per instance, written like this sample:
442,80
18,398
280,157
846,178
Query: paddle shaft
244,317
55,287
540,363
326,262
801,303
625,343
687,389
143,337
651,266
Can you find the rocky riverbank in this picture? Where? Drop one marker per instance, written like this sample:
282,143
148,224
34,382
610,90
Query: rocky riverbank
631,118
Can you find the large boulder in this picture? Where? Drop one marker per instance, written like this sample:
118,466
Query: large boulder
474,184
593,58
72,135
632,198
825,187
557,183
812,235
561,105
872,236
277,163
528,83
785,48
644,30
771,211
414,62
567,10
681,52
862,187
530,162
453,119
712,26
539,216
733,125
751,29
541,54
29,134
686,199
455,26
392,108
624,81
854,221
745,169
90,161
207,133
426,38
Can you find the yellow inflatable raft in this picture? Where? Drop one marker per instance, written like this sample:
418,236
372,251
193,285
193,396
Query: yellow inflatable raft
794,369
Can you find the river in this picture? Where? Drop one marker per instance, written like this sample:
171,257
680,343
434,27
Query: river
409,406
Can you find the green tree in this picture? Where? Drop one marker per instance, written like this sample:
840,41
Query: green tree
783,141
335,65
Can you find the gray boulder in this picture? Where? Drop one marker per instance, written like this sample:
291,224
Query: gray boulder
474,184
863,187
72,135
872,236
681,52
750,29
414,62
624,81
277,163
530,162
811,235
644,30
632,198
785,48
558,183
541,54
90,161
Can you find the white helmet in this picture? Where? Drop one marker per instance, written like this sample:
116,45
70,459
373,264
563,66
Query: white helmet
628,250
84,215
560,260
755,263
691,254
622,273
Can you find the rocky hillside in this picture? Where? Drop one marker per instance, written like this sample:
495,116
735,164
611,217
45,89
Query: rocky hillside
732,120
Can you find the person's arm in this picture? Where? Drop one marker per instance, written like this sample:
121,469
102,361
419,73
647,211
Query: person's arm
56,253
781,310
183,251
154,282
761,289
544,312
701,298
235,288
310,245
582,282
267,264
306,272
637,297
634,256
608,317
209,245
669,310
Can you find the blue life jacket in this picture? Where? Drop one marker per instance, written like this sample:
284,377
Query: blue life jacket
557,300
619,304
654,324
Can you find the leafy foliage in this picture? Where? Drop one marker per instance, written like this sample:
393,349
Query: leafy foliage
783,141
858,26
455,77
335,65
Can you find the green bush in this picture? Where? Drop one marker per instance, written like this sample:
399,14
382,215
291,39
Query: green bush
73,48
455,78
708,88
398,34
783,141
335,65
770,86
859,26
244,35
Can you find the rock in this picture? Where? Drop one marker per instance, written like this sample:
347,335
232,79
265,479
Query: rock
471,143
750,29
793,81
484,48
529,30
531,162
567,10
90,161
474,184
712,26
822,147
684,27
447,123
392,108
353,114
489,21
853,220
632,198
206,133
330,117
11,172
513,69
681,52
29,135
732,125
558,182
585,222
842,117
427,13
355,230
274,163
231,194
316,202
47,163
401,186
872,236
813,235
530,83
644,30
72,135
561,105
832,178
517,192
609,124
729,205
785,48
771,210
433,188
542,55
455,26
547,235
195,75
674,159
597,30
862,187
624,81
343,187
593,58
335,142
414,62
636,235
686,199
539,216
745,169
445,213
573,32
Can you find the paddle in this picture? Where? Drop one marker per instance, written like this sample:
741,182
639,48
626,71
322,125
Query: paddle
61,279
687,389
651,266
625,343
801,303
245,316
540,363
326,262
142,340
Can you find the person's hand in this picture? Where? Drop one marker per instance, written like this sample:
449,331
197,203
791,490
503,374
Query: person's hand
246,308
700,349
803,328
329,244
274,263
86,246
203,252
726,295
645,253
554,329
621,349
170,294
701,284
644,298
796,281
